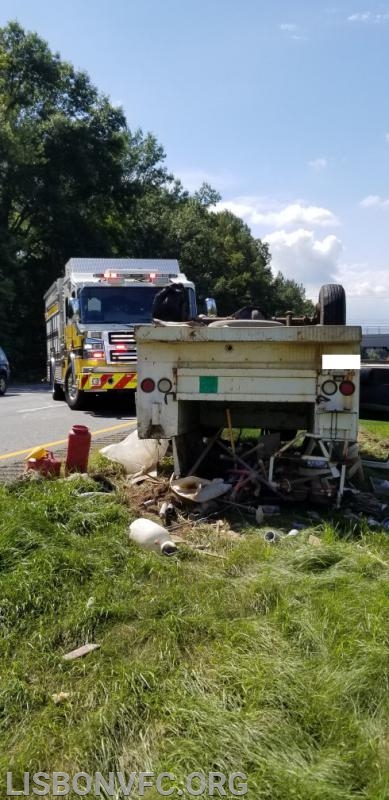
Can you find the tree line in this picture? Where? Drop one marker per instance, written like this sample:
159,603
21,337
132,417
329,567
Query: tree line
75,180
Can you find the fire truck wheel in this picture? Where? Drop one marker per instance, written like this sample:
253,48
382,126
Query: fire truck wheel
57,391
73,396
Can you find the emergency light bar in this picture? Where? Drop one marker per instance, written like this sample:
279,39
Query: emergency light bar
128,277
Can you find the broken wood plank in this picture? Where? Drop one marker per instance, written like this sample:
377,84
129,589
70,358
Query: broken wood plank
80,651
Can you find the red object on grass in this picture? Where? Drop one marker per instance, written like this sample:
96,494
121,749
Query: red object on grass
47,465
79,440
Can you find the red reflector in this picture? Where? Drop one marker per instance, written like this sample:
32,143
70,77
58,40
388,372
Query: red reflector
97,354
147,385
347,388
121,347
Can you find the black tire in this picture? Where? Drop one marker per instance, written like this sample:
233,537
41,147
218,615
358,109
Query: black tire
332,302
73,396
3,383
57,391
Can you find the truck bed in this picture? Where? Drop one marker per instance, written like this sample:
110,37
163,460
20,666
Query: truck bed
267,376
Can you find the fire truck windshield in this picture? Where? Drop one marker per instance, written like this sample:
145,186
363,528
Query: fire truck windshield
117,304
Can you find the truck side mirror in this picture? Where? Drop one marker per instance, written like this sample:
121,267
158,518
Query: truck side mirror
210,307
73,307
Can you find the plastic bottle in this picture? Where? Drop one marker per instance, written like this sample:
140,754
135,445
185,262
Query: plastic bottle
79,440
151,536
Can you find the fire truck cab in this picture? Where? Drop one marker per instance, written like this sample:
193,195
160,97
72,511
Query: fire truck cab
90,315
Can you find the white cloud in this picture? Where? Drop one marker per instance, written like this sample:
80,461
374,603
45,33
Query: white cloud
293,30
255,211
318,163
369,17
300,255
374,201
360,280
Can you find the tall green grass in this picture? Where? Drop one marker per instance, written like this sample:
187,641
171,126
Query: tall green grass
272,661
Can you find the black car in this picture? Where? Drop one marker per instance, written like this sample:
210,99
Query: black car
4,372
374,395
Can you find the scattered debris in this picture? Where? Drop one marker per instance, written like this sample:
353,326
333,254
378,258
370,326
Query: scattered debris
380,486
167,512
44,462
151,536
293,532
60,697
137,456
259,515
199,490
271,537
80,652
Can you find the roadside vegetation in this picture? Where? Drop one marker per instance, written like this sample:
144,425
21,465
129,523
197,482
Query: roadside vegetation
78,180
269,659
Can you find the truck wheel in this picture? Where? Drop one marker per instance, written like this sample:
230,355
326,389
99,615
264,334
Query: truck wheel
73,396
332,301
57,391
3,384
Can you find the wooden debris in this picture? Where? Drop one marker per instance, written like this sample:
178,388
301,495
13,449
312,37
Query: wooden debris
60,697
80,651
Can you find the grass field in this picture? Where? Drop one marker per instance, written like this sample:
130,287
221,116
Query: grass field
271,661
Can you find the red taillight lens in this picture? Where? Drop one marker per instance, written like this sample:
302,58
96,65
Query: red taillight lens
147,385
97,354
347,388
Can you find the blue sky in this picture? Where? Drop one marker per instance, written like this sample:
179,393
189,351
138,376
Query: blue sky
283,107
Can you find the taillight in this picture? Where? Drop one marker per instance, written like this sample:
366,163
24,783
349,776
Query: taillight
147,385
329,387
96,354
347,388
164,385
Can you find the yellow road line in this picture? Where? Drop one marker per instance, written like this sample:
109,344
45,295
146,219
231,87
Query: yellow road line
63,441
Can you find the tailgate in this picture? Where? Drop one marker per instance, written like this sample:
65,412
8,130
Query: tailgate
257,385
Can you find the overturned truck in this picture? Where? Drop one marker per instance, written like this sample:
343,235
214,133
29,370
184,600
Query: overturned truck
198,377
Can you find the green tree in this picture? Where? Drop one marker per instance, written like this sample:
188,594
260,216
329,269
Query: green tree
290,296
71,172
76,181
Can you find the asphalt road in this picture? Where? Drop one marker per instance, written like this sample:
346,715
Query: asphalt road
29,417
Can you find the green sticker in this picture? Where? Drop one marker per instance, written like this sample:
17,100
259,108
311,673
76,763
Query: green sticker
208,384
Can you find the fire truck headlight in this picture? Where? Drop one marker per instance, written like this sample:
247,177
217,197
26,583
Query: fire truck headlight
93,348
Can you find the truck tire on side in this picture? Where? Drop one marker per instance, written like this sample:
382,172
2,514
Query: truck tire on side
332,302
73,396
